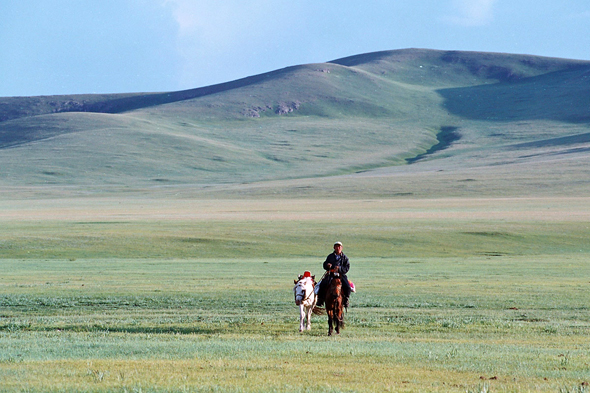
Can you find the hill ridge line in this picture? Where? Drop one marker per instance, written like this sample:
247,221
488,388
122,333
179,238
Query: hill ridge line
124,102
135,101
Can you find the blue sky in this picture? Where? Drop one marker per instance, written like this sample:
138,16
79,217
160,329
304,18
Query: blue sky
111,46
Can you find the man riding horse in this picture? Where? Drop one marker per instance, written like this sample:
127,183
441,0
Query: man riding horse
336,259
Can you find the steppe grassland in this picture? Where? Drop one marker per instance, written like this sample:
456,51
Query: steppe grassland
166,295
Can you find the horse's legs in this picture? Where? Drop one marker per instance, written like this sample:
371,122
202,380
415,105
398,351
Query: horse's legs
338,317
301,316
308,327
330,323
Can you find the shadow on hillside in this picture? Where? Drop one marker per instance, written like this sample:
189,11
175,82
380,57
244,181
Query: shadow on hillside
559,96
446,137
553,142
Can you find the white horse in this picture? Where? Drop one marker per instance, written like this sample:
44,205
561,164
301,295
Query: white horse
305,298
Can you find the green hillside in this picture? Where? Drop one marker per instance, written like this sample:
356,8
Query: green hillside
373,124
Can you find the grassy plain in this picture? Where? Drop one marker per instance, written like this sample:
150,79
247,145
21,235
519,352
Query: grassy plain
139,294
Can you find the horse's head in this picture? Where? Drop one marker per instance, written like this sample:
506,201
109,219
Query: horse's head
334,271
303,288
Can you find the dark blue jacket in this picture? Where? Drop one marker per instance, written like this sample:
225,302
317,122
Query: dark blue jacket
338,260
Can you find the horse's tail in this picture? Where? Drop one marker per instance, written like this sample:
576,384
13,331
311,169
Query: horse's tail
318,310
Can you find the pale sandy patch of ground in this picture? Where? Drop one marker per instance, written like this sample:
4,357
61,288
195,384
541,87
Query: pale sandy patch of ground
91,209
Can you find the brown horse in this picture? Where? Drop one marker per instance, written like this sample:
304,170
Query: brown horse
334,302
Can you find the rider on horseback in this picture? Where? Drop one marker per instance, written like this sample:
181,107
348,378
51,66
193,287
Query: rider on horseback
337,258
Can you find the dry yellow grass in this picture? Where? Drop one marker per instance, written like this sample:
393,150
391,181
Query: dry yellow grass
570,209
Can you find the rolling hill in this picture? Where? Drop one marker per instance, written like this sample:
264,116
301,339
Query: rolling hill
414,122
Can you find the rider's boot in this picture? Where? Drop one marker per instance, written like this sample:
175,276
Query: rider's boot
321,296
320,301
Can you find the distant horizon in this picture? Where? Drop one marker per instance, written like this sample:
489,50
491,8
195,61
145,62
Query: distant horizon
56,47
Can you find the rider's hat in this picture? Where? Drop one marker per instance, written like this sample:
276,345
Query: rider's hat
306,274
338,243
